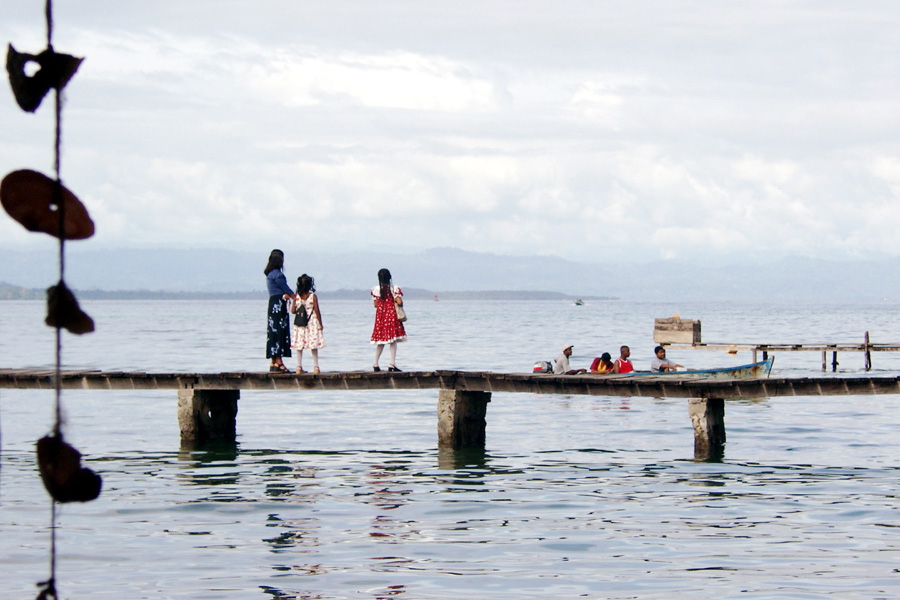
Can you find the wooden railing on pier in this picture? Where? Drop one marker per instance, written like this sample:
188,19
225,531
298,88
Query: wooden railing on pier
866,348
207,402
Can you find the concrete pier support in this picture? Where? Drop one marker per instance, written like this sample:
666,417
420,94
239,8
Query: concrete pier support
708,417
207,416
461,422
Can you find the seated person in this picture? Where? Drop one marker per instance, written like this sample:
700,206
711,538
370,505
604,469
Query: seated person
661,364
603,364
561,365
623,363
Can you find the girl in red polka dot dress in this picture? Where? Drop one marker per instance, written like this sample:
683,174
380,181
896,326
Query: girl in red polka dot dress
388,329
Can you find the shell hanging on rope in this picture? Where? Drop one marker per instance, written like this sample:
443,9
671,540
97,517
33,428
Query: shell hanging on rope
29,198
61,471
64,312
55,71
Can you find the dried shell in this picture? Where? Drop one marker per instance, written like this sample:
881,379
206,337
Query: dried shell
63,311
55,72
61,471
30,198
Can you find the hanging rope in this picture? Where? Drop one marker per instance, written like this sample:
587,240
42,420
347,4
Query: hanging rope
43,204
50,587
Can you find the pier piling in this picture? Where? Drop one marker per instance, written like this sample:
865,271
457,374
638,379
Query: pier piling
206,416
461,418
207,402
708,417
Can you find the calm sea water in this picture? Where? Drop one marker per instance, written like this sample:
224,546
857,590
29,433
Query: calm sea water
337,495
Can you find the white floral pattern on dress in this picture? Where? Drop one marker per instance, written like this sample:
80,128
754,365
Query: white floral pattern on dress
311,336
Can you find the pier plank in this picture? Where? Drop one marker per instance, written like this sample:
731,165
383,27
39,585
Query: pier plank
475,381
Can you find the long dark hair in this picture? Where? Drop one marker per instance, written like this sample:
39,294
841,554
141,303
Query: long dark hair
305,283
384,282
276,261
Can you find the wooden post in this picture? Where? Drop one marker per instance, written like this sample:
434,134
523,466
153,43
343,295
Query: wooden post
461,422
868,354
708,418
824,360
207,416
676,330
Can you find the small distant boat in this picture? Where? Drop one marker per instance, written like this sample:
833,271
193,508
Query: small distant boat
758,370
435,298
579,302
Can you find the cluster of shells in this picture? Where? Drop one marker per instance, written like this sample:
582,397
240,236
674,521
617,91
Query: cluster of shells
43,204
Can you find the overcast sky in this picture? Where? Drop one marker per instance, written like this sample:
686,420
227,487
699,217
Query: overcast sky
591,130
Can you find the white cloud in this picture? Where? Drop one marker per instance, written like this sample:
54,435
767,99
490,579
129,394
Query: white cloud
629,132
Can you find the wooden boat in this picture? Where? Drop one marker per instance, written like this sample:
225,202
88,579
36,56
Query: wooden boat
758,370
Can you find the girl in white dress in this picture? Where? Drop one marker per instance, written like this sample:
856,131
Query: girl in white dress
309,337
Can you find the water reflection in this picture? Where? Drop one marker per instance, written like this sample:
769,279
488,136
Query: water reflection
209,452
710,453
451,459
387,517
299,534
279,594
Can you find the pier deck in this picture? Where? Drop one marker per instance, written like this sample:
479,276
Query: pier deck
668,386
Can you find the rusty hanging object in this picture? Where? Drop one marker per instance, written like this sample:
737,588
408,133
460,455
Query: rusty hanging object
61,471
54,72
31,199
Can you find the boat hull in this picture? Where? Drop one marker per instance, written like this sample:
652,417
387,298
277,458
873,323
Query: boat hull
759,370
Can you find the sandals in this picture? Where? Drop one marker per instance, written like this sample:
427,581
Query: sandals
278,369
394,369
300,371
315,370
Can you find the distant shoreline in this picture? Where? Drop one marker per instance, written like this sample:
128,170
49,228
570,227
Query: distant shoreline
12,292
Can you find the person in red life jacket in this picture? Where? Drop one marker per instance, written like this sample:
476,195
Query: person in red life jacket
623,365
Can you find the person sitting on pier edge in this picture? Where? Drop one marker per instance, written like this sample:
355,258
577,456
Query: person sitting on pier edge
561,364
603,364
661,364
623,364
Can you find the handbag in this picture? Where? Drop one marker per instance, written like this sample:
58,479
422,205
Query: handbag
401,314
301,319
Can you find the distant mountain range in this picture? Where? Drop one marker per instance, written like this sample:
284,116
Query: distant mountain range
14,292
220,273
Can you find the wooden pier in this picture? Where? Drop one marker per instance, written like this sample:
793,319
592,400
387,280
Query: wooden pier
684,334
207,402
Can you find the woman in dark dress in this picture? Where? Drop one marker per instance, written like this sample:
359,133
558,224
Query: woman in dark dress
278,338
